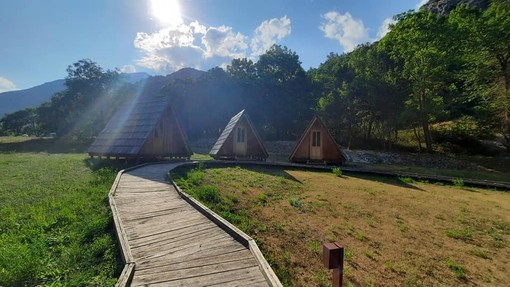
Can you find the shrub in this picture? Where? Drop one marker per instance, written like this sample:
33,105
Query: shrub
458,182
337,171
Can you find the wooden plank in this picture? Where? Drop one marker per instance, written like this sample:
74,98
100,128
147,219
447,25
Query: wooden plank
206,255
222,270
171,235
185,248
198,262
210,279
172,245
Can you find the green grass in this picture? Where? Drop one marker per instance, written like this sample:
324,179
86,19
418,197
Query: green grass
464,234
191,181
56,228
456,268
200,156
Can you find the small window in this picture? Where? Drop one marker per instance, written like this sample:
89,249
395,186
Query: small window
241,134
316,138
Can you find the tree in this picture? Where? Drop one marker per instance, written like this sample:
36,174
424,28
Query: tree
488,58
242,69
83,108
21,122
338,110
285,91
420,42
378,95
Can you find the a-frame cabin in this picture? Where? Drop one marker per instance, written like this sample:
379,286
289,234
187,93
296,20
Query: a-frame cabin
316,145
142,129
239,140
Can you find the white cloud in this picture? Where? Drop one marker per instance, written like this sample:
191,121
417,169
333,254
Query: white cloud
171,48
177,36
128,69
421,3
198,28
195,45
385,27
268,33
347,30
223,42
6,85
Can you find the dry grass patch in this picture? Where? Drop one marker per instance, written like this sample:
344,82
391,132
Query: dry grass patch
396,233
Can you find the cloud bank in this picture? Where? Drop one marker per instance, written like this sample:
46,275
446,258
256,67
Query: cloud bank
6,85
268,33
195,45
344,28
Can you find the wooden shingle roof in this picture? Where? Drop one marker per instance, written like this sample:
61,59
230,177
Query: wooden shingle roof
130,127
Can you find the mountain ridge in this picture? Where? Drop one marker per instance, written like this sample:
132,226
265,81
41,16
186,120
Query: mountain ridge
13,101
444,7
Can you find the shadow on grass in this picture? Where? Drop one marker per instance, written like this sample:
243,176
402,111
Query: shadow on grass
396,181
116,165
49,145
181,171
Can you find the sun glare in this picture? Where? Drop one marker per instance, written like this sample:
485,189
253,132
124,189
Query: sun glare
167,11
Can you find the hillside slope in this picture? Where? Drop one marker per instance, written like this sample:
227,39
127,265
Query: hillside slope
13,101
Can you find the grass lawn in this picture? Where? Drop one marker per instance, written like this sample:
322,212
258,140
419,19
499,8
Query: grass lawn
397,232
56,228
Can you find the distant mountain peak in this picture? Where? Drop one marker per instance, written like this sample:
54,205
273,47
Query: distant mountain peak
187,73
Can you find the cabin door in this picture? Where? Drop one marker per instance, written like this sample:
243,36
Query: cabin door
315,145
240,141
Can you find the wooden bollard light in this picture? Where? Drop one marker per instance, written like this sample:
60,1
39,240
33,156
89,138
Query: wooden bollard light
333,258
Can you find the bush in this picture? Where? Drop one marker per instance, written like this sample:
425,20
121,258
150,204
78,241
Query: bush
336,171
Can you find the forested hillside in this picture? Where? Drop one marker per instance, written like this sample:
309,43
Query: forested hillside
16,100
443,78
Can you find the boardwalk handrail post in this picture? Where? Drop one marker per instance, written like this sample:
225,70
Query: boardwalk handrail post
333,258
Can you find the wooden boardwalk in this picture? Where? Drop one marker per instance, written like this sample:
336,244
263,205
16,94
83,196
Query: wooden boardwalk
168,242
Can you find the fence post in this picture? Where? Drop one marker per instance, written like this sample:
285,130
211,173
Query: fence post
333,258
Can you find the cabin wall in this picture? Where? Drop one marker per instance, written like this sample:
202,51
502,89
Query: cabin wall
253,148
166,139
330,151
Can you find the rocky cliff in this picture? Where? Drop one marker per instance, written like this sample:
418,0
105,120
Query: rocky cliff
444,7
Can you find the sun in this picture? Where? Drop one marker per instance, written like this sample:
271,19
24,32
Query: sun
167,11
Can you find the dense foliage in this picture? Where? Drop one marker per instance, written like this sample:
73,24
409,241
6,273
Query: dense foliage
439,78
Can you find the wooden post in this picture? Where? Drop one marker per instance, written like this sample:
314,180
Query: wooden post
333,258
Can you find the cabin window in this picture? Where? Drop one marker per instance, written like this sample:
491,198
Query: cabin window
241,134
316,138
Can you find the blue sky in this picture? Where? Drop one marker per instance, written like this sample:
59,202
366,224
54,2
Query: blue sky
39,39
